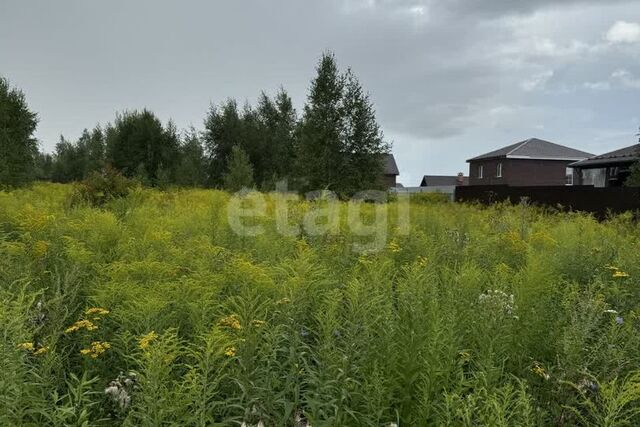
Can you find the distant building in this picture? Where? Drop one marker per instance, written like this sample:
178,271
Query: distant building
533,162
444,180
607,170
390,171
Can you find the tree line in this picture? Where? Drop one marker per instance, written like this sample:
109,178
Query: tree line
336,143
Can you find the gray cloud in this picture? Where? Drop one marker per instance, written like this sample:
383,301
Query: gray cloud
450,79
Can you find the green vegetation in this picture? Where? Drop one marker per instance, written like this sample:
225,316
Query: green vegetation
336,144
18,147
146,309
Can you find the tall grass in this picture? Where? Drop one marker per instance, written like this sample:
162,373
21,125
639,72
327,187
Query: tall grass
150,310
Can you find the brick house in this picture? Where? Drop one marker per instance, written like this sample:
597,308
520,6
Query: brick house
533,162
607,170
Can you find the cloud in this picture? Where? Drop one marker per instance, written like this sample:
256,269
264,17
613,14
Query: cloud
603,85
623,32
537,81
626,78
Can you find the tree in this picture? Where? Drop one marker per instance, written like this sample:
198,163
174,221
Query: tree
320,151
239,172
278,123
137,142
341,146
363,139
69,161
223,130
18,147
634,178
191,168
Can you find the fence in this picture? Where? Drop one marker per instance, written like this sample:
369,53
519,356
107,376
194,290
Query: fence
586,198
449,190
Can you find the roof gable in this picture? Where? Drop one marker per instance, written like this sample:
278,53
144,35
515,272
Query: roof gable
534,148
442,180
390,166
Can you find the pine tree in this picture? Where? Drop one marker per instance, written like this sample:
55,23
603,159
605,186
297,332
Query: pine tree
18,147
320,157
364,143
239,172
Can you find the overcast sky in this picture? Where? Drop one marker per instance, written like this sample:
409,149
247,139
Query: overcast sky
450,79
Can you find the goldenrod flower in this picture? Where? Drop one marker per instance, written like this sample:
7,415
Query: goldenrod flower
97,310
146,340
257,323
393,246
540,371
618,274
230,352
96,349
42,350
230,321
81,324
28,346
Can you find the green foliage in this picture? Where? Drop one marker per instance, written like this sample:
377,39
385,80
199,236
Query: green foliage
340,145
145,308
240,171
138,142
18,147
100,188
428,198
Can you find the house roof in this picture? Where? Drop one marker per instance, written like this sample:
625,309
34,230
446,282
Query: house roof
534,148
623,155
390,166
442,180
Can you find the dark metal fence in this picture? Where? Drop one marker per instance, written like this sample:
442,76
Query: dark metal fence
586,198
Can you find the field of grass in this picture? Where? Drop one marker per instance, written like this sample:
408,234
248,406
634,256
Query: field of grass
152,311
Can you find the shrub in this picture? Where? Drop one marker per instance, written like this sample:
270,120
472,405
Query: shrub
429,198
101,187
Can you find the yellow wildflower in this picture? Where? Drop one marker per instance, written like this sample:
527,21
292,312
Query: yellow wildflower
540,371
96,349
26,346
97,310
257,323
146,340
230,321
393,246
42,350
618,274
422,261
464,355
230,352
81,324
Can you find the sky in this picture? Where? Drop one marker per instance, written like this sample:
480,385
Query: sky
450,79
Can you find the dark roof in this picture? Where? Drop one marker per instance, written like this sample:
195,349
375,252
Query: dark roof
623,155
390,166
442,180
534,148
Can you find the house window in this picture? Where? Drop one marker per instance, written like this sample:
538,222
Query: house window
569,175
499,170
480,171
